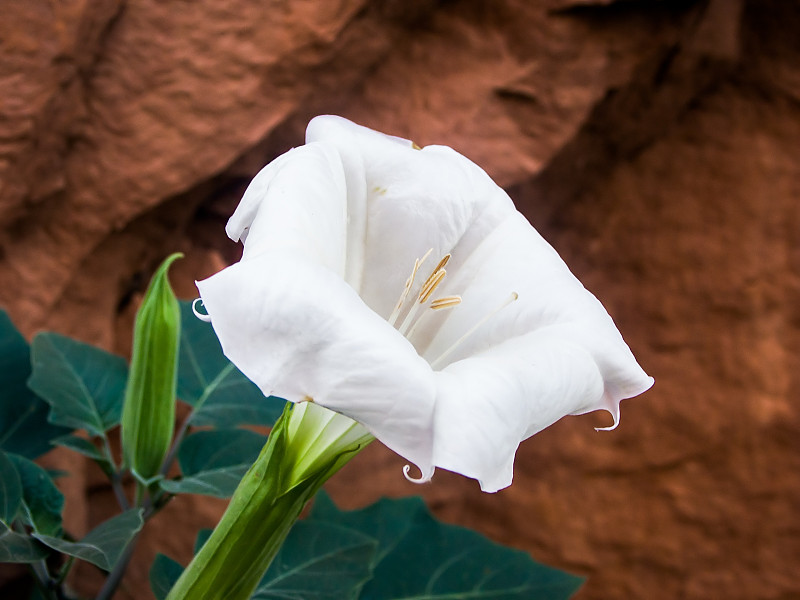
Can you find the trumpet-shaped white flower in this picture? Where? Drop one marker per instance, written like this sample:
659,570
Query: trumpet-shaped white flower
400,287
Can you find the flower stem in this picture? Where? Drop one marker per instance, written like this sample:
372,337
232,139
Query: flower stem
43,580
176,442
263,509
119,492
115,576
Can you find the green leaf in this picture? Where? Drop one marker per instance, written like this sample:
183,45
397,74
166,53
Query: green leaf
82,446
220,394
18,548
36,594
42,502
387,520
24,429
10,490
105,543
434,561
220,483
318,561
163,574
215,448
84,385
202,537
213,462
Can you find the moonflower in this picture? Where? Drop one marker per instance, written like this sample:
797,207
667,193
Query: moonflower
400,287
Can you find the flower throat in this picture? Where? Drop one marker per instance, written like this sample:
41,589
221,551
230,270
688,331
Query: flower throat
409,326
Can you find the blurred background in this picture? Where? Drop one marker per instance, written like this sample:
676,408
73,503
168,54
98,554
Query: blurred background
654,143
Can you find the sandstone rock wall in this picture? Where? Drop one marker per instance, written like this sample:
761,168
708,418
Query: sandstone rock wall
654,143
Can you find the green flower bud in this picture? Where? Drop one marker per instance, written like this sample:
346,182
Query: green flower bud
148,415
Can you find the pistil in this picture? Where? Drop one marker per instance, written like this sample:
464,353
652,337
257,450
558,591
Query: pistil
440,359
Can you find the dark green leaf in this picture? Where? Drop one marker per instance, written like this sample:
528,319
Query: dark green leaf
202,537
10,490
36,594
105,543
212,449
163,574
220,483
435,561
318,561
220,394
213,462
42,502
24,428
388,521
84,385
82,446
18,548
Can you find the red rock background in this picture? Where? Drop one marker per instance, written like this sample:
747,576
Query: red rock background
655,143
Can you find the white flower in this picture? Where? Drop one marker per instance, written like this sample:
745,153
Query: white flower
399,286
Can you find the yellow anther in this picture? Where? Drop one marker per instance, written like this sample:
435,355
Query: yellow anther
441,265
430,285
445,302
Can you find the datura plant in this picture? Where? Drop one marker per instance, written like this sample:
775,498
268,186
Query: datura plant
398,286
386,291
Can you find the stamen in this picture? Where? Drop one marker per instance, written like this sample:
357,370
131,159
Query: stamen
437,268
430,285
409,284
202,316
445,302
434,364
438,304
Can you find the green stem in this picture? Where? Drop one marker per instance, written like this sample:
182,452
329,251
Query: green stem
119,491
176,442
64,571
114,475
43,580
41,574
141,492
115,576
109,454
263,509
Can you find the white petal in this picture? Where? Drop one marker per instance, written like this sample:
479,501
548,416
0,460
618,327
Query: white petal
486,405
415,200
514,258
298,204
358,207
298,330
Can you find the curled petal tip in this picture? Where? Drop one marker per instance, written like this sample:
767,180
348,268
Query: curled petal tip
203,316
418,480
610,427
